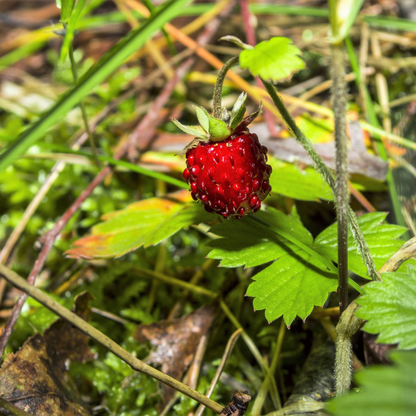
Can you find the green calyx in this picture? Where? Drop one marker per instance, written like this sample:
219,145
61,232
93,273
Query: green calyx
215,129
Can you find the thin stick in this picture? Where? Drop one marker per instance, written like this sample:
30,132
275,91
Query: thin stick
108,343
261,395
12,408
228,350
195,367
256,353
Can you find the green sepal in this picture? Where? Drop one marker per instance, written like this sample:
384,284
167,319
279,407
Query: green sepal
196,131
218,129
249,119
238,111
203,117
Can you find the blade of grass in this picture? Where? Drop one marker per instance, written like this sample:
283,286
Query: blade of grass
97,74
115,162
70,30
66,9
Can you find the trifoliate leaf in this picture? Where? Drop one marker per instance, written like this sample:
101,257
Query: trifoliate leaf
143,223
275,59
385,390
304,184
381,239
294,283
390,308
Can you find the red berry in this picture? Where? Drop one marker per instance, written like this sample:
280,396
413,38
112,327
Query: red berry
186,173
232,174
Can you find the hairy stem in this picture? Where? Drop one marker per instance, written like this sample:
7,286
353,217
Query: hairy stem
98,336
339,106
347,326
328,175
217,107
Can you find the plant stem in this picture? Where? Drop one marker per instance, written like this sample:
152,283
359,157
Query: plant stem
82,106
328,175
98,336
256,353
339,106
12,408
261,395
217,107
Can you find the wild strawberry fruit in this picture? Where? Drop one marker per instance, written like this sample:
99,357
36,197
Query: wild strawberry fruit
226,164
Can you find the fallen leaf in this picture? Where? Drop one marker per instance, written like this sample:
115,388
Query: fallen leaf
174,342
146,222
35,379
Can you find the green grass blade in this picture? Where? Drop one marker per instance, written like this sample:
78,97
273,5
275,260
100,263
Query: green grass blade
70,32
66,9
97,74
391,23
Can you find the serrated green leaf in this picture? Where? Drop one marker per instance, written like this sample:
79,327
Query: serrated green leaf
386,390
291,287
275,59
390,308
303,184
144,223
294,283
382,240
249,244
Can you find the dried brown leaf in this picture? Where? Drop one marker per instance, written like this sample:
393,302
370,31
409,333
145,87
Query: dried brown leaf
174,342
35,378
